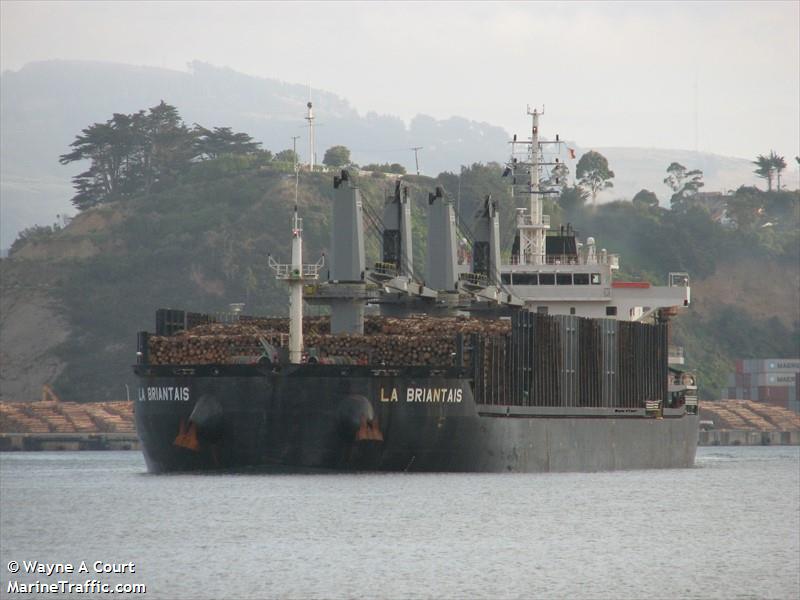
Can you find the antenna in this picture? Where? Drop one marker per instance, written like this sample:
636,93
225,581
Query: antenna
696,120
310,119
416,150
294,149
296,170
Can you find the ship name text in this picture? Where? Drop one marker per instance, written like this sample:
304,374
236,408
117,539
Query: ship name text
164,394
419,394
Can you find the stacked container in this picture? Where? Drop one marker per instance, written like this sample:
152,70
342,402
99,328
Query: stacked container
771,380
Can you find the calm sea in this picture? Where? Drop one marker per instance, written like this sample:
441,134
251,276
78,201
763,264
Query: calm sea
728,528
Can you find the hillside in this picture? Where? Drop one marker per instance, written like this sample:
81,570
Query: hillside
44,104
73,299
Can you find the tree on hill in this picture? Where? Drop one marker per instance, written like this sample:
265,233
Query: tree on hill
289,156
130,154
572,200
768,166
337,156
593,174
385,168
783,207
150,150
764,169
745,207
645,199
683,183
106,145
779,164
165,143
559,176
222,140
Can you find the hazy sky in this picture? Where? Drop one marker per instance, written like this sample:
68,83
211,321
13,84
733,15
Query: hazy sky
620,74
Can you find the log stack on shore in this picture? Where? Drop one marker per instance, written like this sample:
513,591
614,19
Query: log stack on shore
390,341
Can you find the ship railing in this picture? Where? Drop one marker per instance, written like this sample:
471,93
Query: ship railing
567,259
290,272
561,259
474,279
526,220
678,279
386,268
684,380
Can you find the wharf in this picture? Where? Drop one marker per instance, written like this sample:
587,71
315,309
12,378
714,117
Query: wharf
747,423
68,441
746,437
56,425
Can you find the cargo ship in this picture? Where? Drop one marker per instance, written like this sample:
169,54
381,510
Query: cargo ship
544,362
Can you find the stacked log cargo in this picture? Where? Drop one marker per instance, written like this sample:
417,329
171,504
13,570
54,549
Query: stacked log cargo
389,341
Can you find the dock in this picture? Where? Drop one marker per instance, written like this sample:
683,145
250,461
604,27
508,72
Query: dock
56,425
28,442
747,423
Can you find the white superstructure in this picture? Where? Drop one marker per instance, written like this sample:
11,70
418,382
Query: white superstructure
551,271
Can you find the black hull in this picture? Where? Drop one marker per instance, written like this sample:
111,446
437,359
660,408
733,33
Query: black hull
326,418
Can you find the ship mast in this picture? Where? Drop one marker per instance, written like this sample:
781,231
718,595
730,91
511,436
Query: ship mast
296,292
538,230
311,150
296,274
531,223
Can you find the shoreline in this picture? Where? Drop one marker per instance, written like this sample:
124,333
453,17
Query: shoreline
32,442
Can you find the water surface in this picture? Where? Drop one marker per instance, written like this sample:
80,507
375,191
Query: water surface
728,528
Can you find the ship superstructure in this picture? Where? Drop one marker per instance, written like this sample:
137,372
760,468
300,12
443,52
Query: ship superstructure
552,271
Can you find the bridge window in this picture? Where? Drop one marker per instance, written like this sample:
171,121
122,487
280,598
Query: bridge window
572,310
611,311
580,279
563,278
542,310
595,278
505,277
547,279
526,279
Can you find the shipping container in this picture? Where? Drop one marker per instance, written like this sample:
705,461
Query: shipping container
739,380
774,379
768,365
778,396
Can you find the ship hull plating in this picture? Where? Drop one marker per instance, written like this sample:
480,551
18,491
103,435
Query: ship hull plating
331,418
